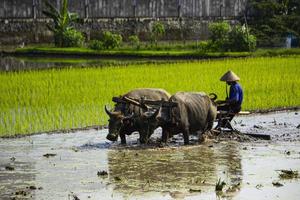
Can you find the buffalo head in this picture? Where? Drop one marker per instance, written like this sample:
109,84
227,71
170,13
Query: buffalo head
118,122
147,123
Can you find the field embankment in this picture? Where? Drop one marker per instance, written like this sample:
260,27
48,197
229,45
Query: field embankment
149,53
38,101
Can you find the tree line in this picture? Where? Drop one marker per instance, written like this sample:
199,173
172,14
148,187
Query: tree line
272,20
264,23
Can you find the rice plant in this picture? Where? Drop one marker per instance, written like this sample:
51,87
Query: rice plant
39,101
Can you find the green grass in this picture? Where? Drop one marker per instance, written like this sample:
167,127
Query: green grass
36,101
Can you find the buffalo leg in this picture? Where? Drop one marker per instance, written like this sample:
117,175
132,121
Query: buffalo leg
209,125
123,138
200,136
186,137
210,119
165,135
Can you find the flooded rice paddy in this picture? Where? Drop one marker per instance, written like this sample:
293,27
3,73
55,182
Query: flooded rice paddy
19,63
74,165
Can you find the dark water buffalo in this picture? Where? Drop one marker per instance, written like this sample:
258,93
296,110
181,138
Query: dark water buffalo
195,113
128,117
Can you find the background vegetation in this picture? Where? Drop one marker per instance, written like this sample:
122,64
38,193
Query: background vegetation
36,101
64,33
108,41
272,20
224,37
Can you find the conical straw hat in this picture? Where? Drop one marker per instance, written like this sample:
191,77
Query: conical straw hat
230,76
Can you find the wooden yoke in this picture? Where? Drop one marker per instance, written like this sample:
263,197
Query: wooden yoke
147,104
169,105
144,102
162,103
125,100
134,102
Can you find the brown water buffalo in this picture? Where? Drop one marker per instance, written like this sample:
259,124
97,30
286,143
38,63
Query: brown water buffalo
128,117
195,113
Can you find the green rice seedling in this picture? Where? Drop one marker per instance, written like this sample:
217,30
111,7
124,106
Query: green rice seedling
55,99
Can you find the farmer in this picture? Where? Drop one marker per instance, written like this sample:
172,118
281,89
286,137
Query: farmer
234,101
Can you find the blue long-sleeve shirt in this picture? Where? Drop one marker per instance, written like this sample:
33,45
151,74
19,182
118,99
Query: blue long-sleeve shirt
236,94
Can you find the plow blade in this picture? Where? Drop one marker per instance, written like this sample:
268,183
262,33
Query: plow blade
259,136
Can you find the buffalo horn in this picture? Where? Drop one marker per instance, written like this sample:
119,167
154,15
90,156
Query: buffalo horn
214,96
107,111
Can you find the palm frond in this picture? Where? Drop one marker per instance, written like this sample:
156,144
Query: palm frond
73,17
62,20
50,14
51,9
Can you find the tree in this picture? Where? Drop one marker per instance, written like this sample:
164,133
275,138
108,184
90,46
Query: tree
272,20
63,20
157,31
240,39
223,37
111,40
134,41
219,32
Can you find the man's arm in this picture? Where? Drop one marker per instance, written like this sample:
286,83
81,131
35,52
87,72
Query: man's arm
233,96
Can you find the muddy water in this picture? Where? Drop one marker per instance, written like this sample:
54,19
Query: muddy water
135,172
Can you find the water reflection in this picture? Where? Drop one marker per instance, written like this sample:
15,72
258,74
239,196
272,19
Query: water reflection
34,63
184,169
8,63
16,182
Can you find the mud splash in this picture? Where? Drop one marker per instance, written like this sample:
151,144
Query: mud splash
249,169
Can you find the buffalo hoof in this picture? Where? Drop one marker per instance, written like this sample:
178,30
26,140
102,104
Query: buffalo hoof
112,137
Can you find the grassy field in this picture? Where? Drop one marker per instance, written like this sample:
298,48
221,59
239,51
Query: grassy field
37,101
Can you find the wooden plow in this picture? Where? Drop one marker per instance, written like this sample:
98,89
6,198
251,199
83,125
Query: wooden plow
224,124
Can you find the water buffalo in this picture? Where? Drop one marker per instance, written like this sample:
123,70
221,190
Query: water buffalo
195,113
128,117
